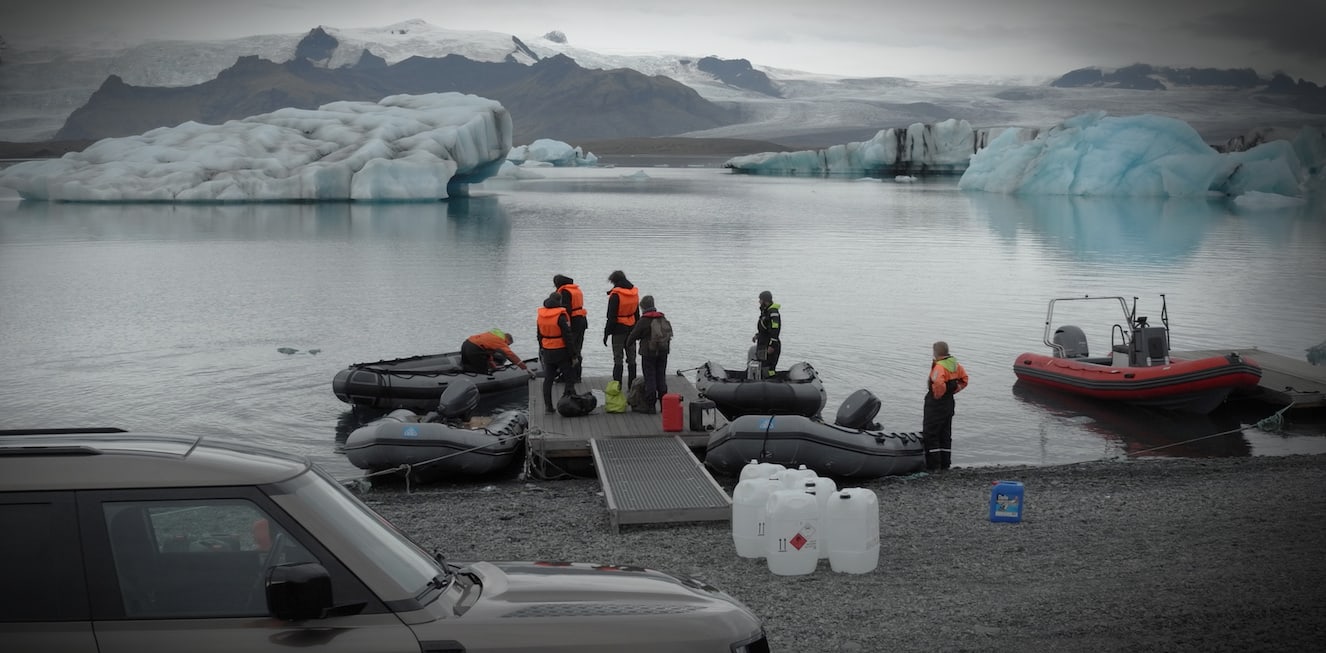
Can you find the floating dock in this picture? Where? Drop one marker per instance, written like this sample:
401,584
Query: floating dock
1285,381
648,475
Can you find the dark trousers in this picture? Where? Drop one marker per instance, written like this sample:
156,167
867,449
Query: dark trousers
474,358
622,353
655,369
937,432
577,345
768,354
555,362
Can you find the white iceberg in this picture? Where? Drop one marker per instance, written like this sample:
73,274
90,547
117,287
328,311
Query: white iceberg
1145,155
550,151
401,148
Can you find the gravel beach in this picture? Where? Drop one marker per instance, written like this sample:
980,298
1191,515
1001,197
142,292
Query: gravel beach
1135,555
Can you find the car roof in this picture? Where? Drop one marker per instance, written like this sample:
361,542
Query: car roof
85,459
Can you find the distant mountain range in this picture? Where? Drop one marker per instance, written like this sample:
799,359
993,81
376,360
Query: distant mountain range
554,90
1279,88
550,98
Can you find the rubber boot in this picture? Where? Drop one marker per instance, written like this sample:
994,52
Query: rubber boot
932,461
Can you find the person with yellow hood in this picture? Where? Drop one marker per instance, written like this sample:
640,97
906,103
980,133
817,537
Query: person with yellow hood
947,378
476,353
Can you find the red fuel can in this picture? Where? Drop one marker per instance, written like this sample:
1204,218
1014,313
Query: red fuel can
671,412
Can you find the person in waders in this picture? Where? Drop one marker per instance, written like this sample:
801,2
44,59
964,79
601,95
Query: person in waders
947,378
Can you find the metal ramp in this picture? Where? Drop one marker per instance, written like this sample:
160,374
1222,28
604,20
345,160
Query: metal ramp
654,480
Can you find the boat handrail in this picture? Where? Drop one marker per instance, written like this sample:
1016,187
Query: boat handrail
1057,348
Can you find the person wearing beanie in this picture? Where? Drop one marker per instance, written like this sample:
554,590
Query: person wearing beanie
476,353
573,300
554,331
768,345
653,332
623,312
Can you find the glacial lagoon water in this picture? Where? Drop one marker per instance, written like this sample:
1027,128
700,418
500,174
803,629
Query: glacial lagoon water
159,317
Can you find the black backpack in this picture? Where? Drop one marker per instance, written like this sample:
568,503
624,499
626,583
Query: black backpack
577,405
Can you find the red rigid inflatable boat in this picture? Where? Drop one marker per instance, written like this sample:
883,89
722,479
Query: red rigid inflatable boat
1138,369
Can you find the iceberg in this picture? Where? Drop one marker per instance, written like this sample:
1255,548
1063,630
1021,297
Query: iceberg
401,148
547,150
1143,155
942,147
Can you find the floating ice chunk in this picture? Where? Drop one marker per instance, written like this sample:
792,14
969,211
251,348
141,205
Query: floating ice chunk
401,148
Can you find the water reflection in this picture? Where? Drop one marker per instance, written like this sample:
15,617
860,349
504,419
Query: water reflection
463,220
1142,431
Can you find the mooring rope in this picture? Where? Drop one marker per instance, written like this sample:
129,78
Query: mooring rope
357,483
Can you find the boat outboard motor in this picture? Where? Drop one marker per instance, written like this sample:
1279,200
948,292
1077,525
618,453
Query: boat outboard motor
459,400
1072,342
858,410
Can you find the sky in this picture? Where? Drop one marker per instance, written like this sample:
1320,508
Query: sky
845,37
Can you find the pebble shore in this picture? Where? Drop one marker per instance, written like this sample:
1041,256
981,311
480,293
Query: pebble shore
1138,555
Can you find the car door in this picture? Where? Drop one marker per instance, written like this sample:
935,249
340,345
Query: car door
185,570
43,597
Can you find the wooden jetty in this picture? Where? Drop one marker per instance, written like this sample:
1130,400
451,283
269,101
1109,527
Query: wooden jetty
648,475
1285,381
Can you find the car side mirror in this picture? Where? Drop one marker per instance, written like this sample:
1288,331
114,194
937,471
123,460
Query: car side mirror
298,592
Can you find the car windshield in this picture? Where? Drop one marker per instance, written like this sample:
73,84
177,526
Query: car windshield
407,564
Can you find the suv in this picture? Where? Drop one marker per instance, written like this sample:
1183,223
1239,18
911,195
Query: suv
118,542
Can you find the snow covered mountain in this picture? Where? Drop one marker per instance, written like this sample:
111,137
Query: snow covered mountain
44,85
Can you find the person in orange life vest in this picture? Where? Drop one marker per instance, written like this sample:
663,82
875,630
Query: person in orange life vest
554,329
947,378
653,360
476,353
768,345
623,312
573,300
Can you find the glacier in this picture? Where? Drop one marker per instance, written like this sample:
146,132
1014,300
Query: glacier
401,148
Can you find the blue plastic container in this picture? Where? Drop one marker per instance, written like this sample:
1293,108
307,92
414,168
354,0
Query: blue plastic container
1006,501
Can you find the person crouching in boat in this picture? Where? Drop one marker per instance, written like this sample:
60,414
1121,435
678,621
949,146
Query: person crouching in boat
947,378
476,353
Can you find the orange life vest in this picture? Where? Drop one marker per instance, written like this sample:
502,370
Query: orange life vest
577,308
627,301
550,333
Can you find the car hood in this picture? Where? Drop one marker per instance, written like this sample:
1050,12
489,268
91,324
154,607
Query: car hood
585,588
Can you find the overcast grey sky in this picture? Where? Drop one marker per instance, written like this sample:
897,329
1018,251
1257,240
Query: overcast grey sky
848,37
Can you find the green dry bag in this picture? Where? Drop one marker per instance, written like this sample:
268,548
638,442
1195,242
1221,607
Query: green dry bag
614,401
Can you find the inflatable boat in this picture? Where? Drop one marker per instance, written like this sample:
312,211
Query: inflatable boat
851,447
439,445
1137,369
794,391
416,383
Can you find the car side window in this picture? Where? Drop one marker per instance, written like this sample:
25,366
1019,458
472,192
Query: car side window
41,567
196,558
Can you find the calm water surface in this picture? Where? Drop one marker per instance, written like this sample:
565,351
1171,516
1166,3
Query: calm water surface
168,318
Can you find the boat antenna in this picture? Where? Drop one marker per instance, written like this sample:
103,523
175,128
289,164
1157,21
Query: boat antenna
1132,315
1164,312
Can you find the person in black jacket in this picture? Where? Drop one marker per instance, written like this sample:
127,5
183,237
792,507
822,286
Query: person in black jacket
554,332
623,312
768,346
573,300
